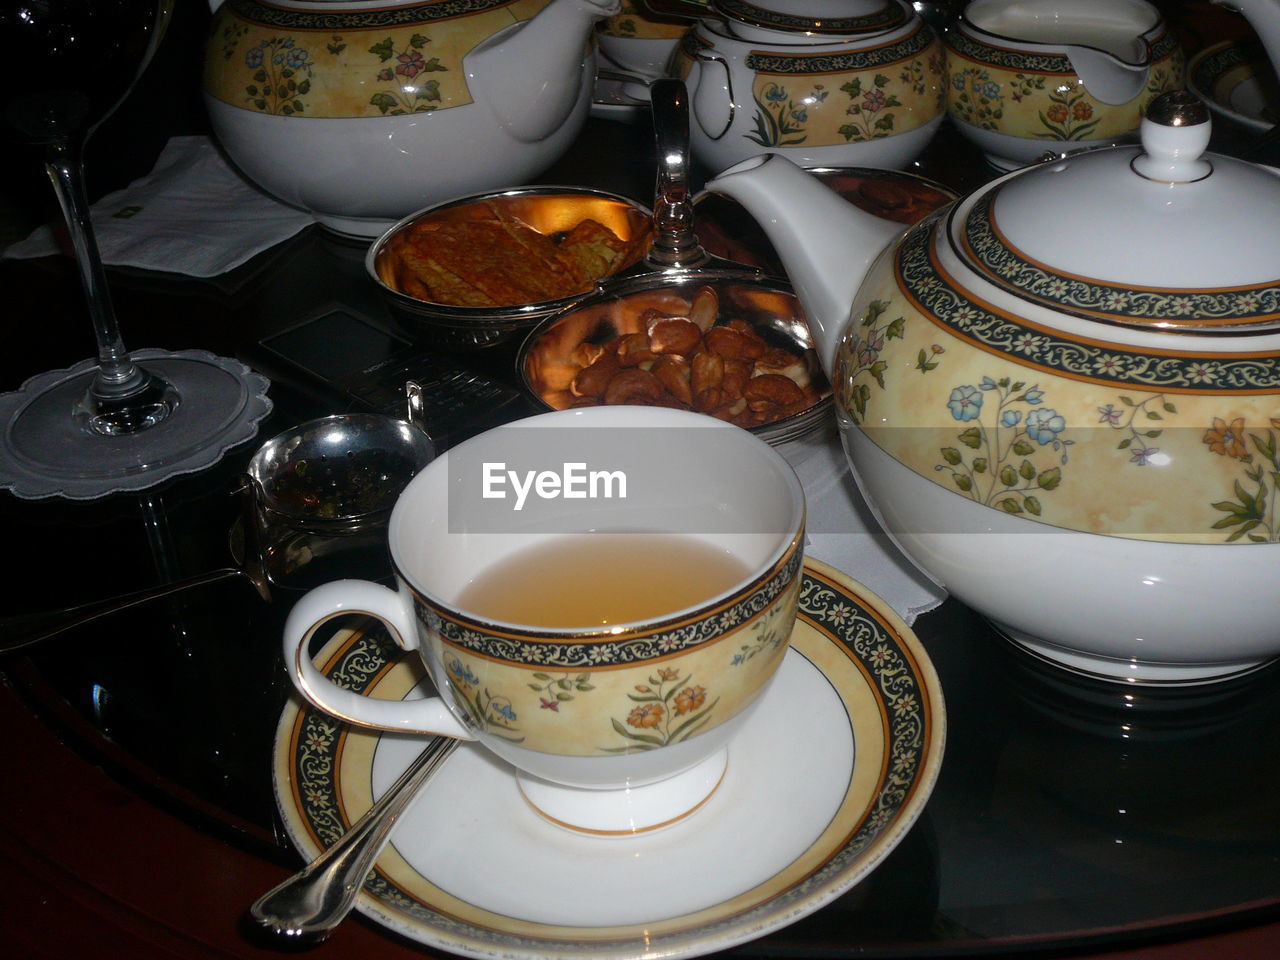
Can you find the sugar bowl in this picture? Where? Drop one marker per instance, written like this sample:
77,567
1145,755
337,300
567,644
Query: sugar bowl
827,84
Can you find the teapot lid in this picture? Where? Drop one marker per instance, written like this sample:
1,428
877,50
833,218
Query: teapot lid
825,17
1164,236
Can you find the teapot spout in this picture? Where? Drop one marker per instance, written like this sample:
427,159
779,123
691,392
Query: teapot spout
1109,77
826,245
530,75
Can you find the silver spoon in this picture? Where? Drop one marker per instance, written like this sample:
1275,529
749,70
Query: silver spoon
308,906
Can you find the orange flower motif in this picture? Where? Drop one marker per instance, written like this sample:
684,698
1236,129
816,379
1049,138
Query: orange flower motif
646,715
690,698
666,673
1057,113
1227,440
1082,111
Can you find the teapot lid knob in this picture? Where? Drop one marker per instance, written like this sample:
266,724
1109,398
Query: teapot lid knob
1175,132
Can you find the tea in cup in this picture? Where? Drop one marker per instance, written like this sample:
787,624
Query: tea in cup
600,596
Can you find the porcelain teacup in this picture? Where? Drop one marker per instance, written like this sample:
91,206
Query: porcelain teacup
615,727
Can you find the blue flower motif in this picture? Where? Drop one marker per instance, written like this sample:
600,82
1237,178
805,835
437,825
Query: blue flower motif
987,384
504,709
800,116
253,58
958,81
460,669
775,92
297,58
1043,426
1010,418
991,90
965,403
1033,395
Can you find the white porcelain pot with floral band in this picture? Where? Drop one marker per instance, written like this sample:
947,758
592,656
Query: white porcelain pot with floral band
827,84
1062,394
1027,77
362,112
640,41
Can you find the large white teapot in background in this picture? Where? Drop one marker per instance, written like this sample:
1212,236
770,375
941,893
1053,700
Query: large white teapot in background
827,83
1061,395
363,112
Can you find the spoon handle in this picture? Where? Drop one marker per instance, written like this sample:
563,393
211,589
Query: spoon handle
309,905
24,630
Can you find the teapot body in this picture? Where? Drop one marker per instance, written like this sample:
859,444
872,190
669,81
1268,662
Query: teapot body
1105,495
822,101
1042,76
361,114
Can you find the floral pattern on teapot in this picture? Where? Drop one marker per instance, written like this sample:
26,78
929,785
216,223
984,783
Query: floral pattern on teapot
352,63
650,682
1074,432
819,99
1038,96
635,22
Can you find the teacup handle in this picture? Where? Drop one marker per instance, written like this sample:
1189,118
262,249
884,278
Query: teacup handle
419,715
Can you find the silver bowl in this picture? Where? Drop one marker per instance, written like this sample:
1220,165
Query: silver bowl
550,210
768,305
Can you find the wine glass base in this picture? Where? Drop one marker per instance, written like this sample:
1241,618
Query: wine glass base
46,450
140,410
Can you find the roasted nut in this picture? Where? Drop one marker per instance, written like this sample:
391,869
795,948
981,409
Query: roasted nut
593,380
633,350
633,386
705,309
734,344
674,373
706,371
674,335
774,389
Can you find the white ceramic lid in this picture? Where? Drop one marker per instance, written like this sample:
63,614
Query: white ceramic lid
1162,236
826,17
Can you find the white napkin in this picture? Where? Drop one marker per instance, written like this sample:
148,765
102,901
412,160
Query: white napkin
193,214
843,532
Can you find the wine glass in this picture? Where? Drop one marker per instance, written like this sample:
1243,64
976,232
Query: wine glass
124,421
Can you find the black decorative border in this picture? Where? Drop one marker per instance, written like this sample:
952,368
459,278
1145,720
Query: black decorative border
939,298
1236,54
1026,62
1093,299
598,651
896,681
865,59
888,18
417,13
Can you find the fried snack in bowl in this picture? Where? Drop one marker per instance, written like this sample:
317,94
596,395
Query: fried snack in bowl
474,271
724,343
726,230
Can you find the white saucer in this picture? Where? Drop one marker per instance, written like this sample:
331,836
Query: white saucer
1236,81
830,773
622,100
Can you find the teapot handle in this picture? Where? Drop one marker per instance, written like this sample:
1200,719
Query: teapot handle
690,11
711,110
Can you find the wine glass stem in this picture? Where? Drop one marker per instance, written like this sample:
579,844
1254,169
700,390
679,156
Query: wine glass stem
118,376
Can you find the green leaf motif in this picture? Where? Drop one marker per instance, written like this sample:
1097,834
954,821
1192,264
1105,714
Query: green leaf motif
1050,479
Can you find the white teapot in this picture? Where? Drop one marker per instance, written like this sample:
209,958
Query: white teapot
363,112
1061,394
827,83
